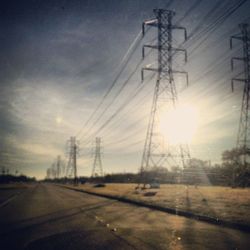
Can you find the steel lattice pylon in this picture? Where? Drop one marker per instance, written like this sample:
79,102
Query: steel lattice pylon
58,167
97,170
155,153
243,138
72,164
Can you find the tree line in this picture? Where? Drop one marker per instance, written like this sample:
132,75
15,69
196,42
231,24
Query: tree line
231,172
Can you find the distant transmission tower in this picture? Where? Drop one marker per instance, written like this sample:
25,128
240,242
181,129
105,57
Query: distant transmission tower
243,138
72,163
155,154
97,170
58,167
53,170
48,173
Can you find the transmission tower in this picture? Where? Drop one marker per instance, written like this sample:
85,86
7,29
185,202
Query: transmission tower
243,138
58,167
53,170
48,173
155,153
72,163
97,170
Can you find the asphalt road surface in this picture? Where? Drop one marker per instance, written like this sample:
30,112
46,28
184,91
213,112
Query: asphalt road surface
48,217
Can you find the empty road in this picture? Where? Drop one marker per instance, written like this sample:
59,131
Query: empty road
46,216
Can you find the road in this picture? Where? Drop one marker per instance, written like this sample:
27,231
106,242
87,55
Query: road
46,216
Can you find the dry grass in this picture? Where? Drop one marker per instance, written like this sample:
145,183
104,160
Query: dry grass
14,186
218,202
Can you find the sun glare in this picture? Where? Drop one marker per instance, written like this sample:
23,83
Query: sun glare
179,125
58,120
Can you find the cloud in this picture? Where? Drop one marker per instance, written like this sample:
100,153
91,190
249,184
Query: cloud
57,63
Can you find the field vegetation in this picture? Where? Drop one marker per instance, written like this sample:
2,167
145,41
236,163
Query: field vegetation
224,203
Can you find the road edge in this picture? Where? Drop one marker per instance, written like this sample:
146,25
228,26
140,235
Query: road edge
190,215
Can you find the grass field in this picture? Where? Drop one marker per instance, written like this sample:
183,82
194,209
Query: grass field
218,202
14,186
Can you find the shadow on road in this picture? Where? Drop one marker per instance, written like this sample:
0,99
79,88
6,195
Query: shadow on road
23,229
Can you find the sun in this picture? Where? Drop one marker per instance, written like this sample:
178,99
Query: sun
179,125
58,120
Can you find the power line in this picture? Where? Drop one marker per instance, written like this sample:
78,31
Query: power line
125,83
197,46
112,85
112,102
219,22
128,55
122,106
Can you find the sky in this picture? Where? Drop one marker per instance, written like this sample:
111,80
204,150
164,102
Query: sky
59,60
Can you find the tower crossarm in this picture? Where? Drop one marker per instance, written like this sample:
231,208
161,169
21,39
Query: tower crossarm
148,69
236,80
164,71
174,50
150,22
183,73
174,27
148,46
237,59
237,37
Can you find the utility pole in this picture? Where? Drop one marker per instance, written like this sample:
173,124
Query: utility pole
165,95
72,163
243,137
97,170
